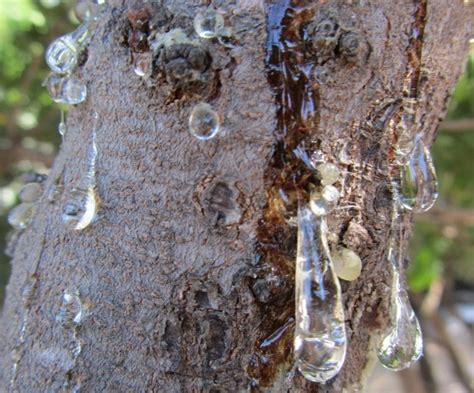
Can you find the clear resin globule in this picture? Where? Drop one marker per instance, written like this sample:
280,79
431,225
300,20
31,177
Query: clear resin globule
418,183
20,216
208,23
403,343
63,53
323,201
86,10
66,89
320,336
204,122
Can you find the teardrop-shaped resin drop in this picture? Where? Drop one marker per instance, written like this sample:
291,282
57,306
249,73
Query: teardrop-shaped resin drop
403,345
62,126
63,53
66,89
418,182
80,209
320,336
142,64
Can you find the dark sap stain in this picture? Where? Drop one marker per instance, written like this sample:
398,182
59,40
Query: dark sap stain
288,180
414,50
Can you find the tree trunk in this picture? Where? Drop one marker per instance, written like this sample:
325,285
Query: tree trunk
186,276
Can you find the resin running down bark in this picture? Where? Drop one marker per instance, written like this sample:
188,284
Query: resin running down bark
320,333
306,42
186,280
403,344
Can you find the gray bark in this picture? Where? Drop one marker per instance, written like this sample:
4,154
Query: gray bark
189,266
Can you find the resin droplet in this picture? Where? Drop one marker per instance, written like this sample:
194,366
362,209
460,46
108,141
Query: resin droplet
328,173
31,192
88,9
418,184
62,127
347,264
71,312
403,345
320,335
62,54
66,89
142,64
325,201
204,122
20,216
81,10
81,208
209,23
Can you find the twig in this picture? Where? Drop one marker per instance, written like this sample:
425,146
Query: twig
457,125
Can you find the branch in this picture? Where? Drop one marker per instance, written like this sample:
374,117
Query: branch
449,216
457,125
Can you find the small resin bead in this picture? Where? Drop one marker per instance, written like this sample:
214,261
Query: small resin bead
347,264
71,312
62,128
66,89
204,122
323,202
30,192
142,64
328,173
209,23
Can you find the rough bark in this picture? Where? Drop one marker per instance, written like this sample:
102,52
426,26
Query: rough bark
187,274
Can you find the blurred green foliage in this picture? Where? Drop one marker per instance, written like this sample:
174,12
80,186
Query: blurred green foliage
28,119
449,248
462,103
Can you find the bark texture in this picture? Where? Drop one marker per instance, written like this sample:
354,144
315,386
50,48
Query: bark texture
187,274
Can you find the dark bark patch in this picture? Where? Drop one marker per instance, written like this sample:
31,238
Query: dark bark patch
383,198
353,47
324,32
356,237
269,288
214,340
380,117
219,204
185,67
